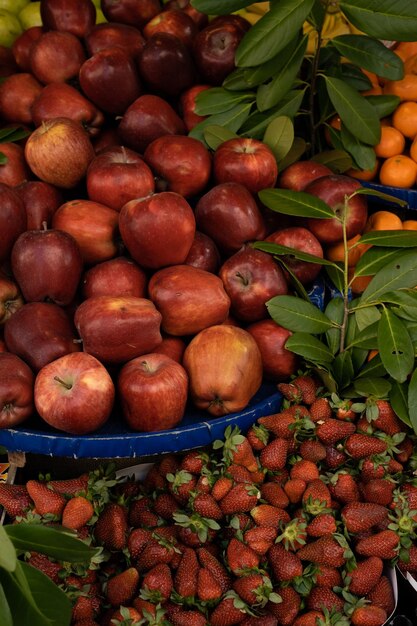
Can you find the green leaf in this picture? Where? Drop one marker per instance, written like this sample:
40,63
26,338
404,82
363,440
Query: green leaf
3,158
374,259
62,544
231,119
298,315
5,614
363,155
383,105
370,54
309,348
214,136
279,136
294,282
335,276
355,112
378,387
299,146
405,301
219,7
391,238
14,133
367,338
295,203
354,76
8,559
412,400
335,312
366,316
276,249
395,346
373,369
217,100
269,94
257,123
396,274
383,19
398,400
412,331
261,42
342,369
337,160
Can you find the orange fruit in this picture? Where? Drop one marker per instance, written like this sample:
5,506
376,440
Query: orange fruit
372,77
404,119
385,121
383,220
336,123
413,149
392,142
372,354
364,174
336,252
375,90
360,283
410,65
406,48
405,89
398,171
410,225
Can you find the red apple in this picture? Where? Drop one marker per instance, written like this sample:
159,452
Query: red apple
279,364
107,138
62,100
40,332
59,152
17,94
41,200
12,219
8,65
173,347
188,105
224,366
74,394
112,34
47,265
109,78
94,227
333,190
15,170
247,161
189,299
56,57
298,175
10,299
229,215
118,175
201,19
130,11
301,239
174,22
16,390
22,46
153,391
71,16
117,277
118,329
214,50
158,230
203,253
147,118
181,164
251,278
232,19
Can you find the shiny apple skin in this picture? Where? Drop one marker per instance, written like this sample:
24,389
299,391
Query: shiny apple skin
130,12
118,329
181,164
112,34
299,174
148,118
15,171
203,253
116,277
188,105
12,219
117,176
16,390
189,299
174,22
224,366
41,200
17,94
56,57
86,405
229,215
279,364
47,265
158,230
153,391
251,278
201,19
246,161
10,299
173,347
332,189
22,46
214,50
301,239
73,16
40,332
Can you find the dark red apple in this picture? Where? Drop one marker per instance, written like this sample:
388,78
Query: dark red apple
62,100
188,298
246,161
153,391
301,239
15,170
174,22
333,190
10,299
56,57
112,34
251,278
109,78
166,65
40,332
12,219
71,16
59,152
279,364
118,175
117,277
118,329
94,227
214,50
147,118
173,347
22,46
130,11
181,164
299,174
232,19
74,394
229,215
224,366
201,19
188,105
16,390
17,94
8,65
41,200
107,138
158,230
203,253
47,265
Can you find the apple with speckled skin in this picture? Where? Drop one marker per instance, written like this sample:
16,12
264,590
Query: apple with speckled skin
117,277
279,364
16,390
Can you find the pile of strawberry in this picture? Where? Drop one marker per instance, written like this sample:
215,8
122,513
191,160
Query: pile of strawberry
293,524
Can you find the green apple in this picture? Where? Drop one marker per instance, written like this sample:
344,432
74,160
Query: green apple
10,28
30,15
14,6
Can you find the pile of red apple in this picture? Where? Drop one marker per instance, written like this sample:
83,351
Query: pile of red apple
127,282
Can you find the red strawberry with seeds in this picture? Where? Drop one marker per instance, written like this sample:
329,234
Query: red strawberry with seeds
316,497
274,456
368,615
240,499
365,576
332,430
169,464
226,613
194,461
268,515
344,488
262,620
382,595
386,419
45,565
384,544
239,474
362,516
111,527
154,552
324,551
306,470
157,584
324,598
137,540
221,487
251,588
311,618
274,494
406,448
312,450
280,424
258,437
186,575
359,446
287,610
295,488
139,510
335,458
122,588
15,499
308,387
205,505
47,502
322,524
208,587
328,577
290,391
260,538
71,486
165,505
285,564
378,491
240,557
209,561
77,512
320,409
188,618
85,608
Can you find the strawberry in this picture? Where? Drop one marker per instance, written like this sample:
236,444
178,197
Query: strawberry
312,450
287,610
86,622
359,446
157,584
328,577
154,479
159,550
240,557
285,565
258,437
294,489
382,595
110,530
185,581
226,613
344,488
316,497
14,499
308,388
239,474
144,606
251,588
332,430
205,505
324,551
280,424
261,620
410,565
126,615
240,499
169,464
322,524
208,587
311,618
45,565
137,540
165,505
406,448
268,515
370,468
47,502
320,409
209,561
384,544
274,456
324,598
290,391
121,589
77,512
362,516
194,462
188,618
181,484
242,454
260,538
221,487
71,486
386,419
85,607
335,458
306,470
274,494
378,491
368,615
365,576
138,511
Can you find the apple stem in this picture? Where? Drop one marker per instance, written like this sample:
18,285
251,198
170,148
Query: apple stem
146,366
77,341
243,279
345,278
62,382
44,225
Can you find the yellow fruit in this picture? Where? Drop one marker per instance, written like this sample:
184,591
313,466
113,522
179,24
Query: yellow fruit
30,15
10,28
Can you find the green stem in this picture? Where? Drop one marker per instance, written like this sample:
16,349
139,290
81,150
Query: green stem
345,279
313,82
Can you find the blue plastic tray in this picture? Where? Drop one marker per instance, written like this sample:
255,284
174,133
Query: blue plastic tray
408,195
114,440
